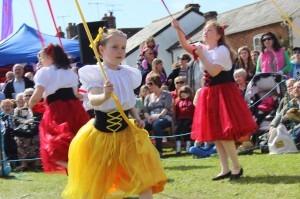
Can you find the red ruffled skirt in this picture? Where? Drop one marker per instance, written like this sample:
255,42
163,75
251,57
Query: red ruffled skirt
221,113
61,121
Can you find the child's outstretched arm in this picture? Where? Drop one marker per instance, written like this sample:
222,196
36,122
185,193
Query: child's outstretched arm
96,98
182,40
137,120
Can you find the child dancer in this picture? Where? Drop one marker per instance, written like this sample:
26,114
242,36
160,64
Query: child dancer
184,111
64,115
110,158
221,114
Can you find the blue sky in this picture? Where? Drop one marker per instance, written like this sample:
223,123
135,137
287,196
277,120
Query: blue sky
128,13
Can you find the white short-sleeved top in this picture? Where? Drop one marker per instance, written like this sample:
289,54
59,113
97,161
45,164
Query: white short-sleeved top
220,55
53,79
125,80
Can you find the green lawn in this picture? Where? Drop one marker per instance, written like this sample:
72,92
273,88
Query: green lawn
265,176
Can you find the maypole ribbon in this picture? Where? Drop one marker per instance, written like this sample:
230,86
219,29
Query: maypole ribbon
37,24
101,67
57,33
286,18
170,15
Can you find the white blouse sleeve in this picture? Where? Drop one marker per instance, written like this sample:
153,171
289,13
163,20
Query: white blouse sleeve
42,77
135,76
222,57
91,76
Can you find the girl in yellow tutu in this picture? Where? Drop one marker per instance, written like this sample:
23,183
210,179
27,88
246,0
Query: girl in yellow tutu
109,158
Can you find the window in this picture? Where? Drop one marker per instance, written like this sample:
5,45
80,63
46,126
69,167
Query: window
256,42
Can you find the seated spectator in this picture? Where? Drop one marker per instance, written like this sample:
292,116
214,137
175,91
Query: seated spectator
179,82
280,118
9,76
144,91
295,72
202,152
28,146
254,57
244,61
288,96
240,78
158,115
266,107
6,119
158,68
184,112
179,70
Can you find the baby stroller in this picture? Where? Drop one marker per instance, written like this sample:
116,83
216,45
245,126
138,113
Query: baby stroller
264,87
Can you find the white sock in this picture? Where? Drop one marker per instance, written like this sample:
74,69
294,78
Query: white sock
178,146
188,146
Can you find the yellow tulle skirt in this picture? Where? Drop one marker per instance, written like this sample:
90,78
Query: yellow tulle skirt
112,165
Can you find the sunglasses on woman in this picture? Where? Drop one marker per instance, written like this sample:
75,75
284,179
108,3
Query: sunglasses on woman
267,39
181,82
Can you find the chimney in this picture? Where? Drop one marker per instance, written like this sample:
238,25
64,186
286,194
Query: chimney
210,15
71,30
111,20
194,6
60,33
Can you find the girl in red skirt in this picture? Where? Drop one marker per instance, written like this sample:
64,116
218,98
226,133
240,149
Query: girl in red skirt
64,114
221,114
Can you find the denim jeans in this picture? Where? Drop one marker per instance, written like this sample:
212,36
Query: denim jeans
158,127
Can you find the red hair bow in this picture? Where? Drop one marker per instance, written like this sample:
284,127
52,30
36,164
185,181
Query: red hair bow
50,50
223,27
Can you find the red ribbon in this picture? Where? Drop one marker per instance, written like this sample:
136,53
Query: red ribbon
57,33
37,24
185,35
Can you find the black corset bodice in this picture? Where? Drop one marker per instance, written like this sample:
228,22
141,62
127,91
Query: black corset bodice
222,77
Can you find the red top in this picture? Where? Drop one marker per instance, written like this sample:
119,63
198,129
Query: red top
184,108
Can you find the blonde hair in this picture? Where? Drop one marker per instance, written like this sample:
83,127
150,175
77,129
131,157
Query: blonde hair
19,96
180,78
150,39
240,71
7,101
107,34
155,62
144,87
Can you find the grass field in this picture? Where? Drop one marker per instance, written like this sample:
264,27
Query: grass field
265,176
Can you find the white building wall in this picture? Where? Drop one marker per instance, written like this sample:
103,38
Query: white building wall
295,35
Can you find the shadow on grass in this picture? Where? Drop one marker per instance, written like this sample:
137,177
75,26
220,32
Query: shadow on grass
185,168
268,180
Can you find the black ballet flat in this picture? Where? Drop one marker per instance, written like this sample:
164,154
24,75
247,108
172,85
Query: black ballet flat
221,177
237,176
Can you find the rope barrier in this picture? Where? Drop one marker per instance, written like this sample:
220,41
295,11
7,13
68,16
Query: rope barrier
169,136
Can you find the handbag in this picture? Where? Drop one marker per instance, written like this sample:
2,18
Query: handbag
280,141
26,130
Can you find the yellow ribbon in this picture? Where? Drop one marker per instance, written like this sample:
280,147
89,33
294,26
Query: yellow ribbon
101,67
286,18
98,38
